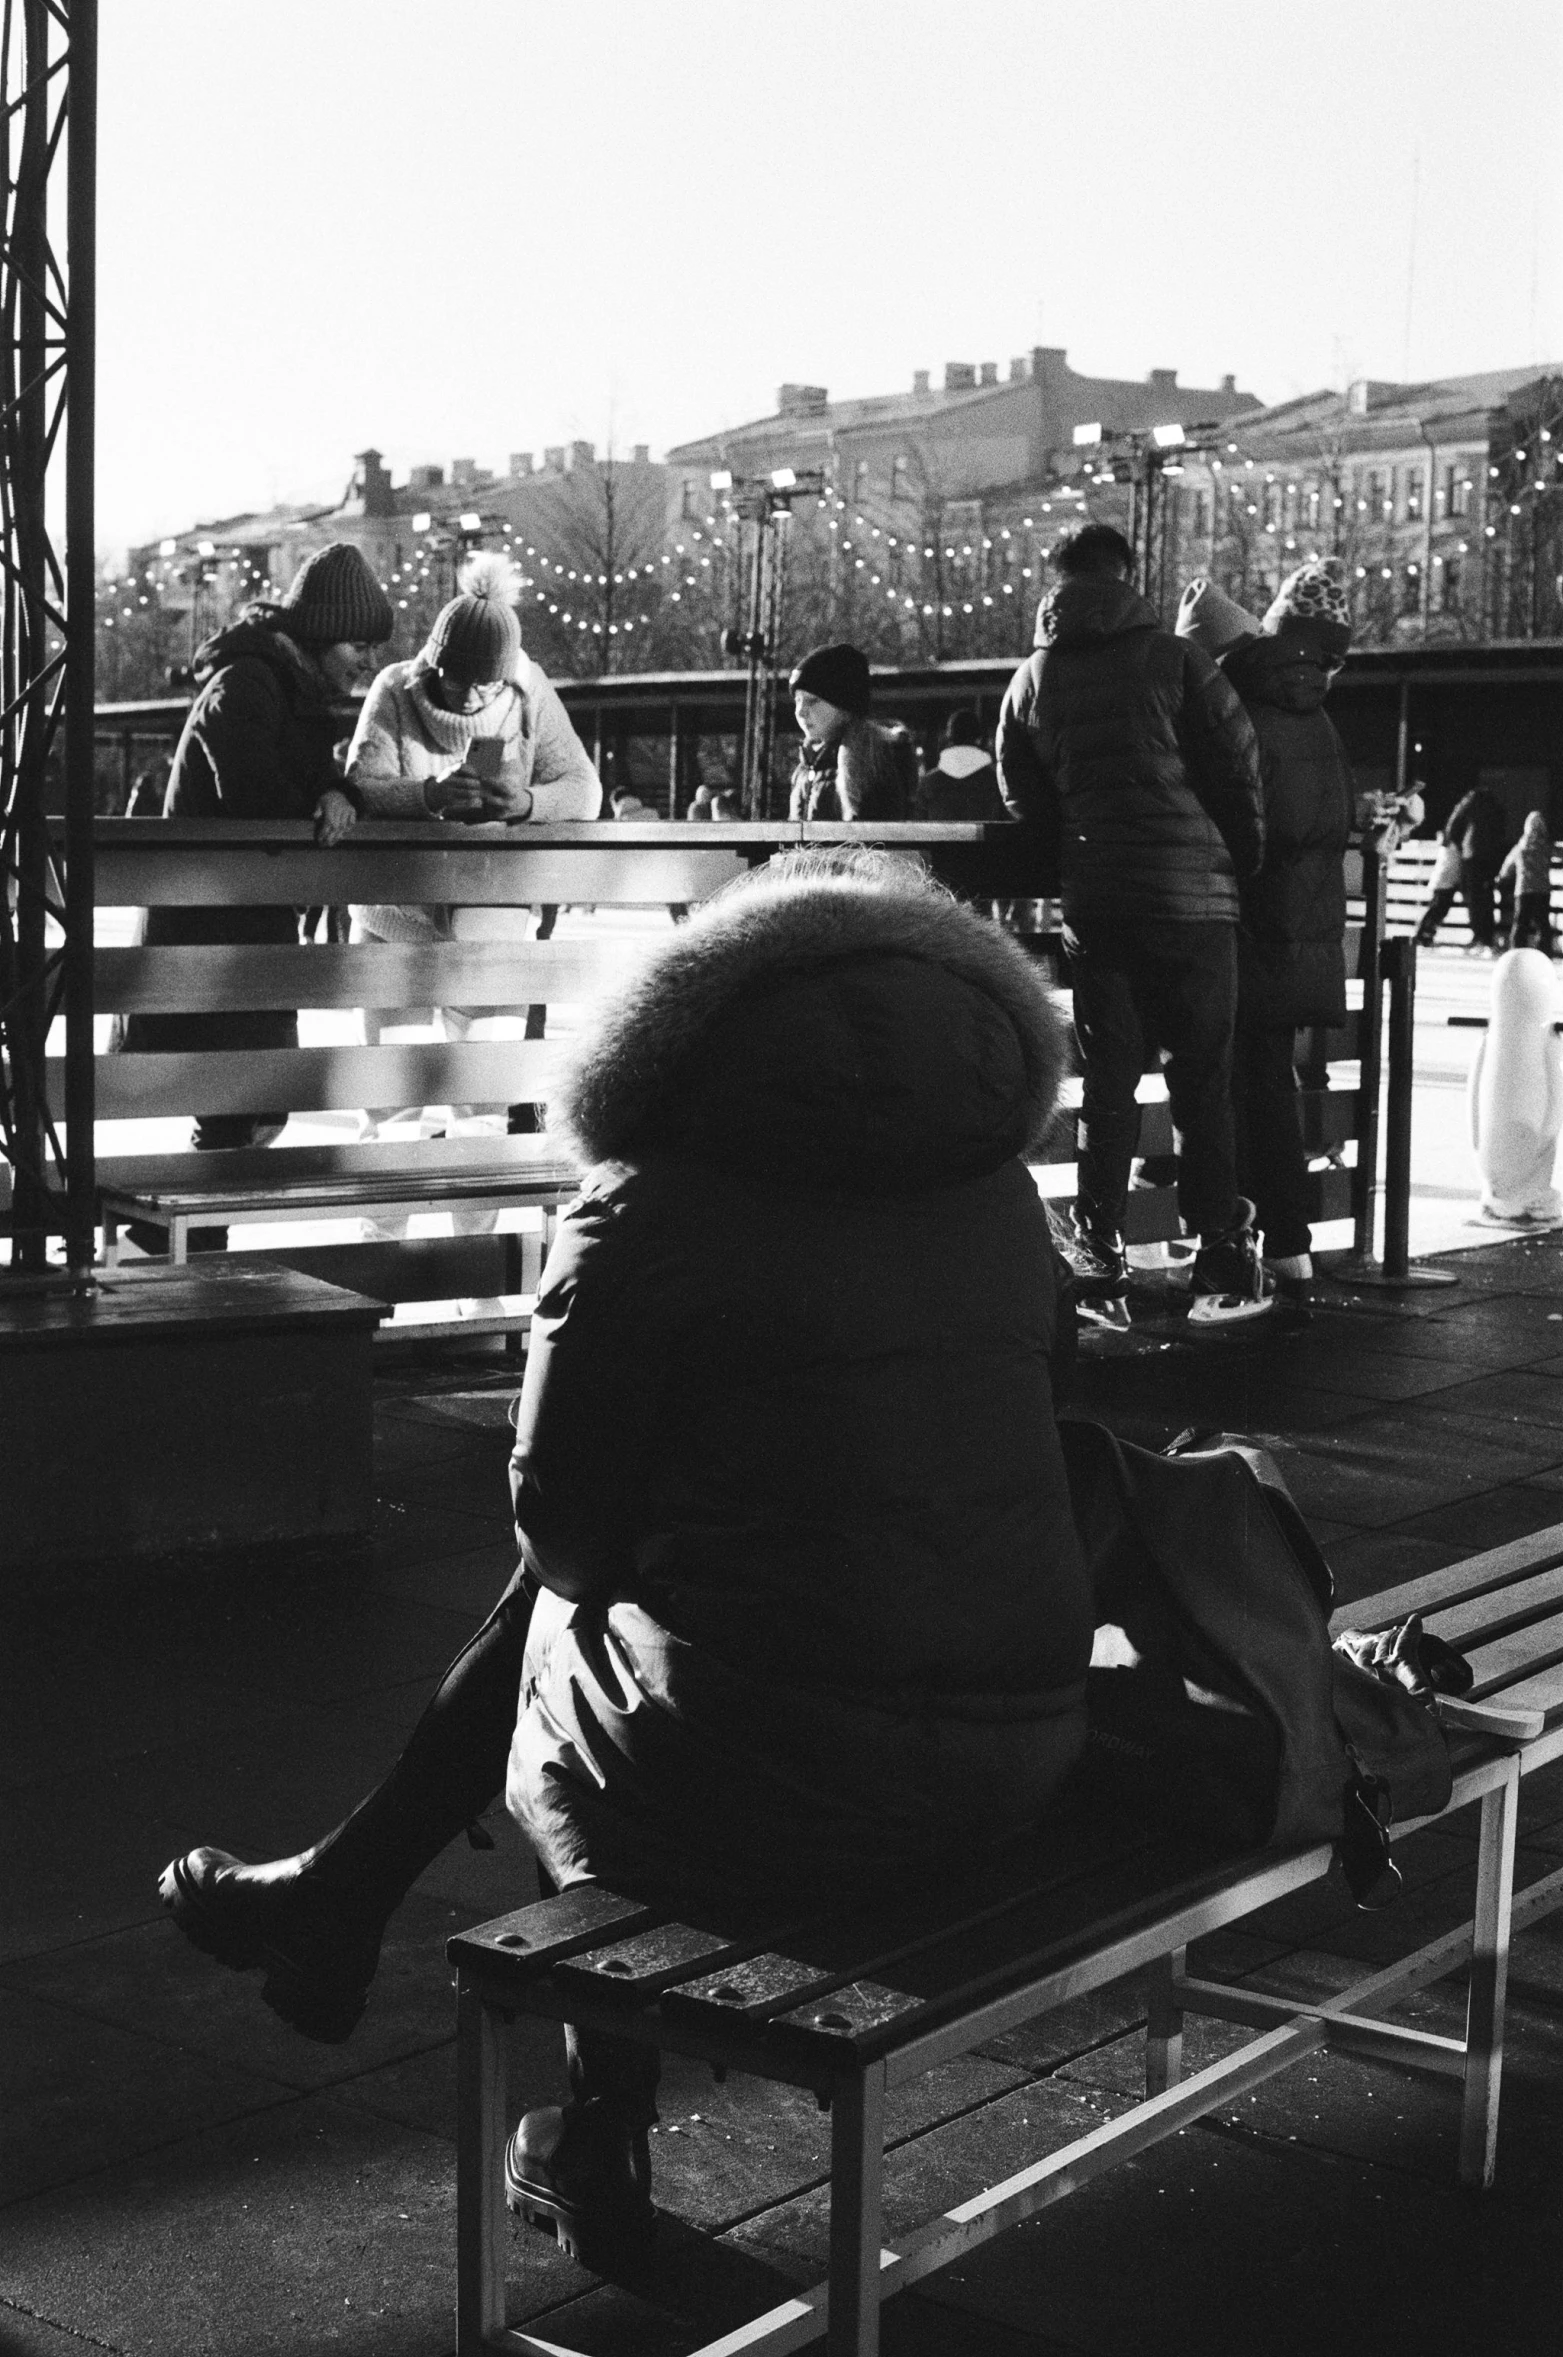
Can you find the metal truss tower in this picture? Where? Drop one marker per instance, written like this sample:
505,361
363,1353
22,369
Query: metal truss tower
48,133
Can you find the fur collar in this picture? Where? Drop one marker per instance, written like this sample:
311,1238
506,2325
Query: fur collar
612,1099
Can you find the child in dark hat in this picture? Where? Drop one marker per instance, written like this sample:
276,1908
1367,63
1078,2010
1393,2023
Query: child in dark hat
850,767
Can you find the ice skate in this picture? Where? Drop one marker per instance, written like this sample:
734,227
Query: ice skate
1099,1272
1228,1277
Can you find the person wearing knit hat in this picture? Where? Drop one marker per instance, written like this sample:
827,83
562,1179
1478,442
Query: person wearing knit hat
258,744
1311,606
1291,964
850,767
467,730
1213,620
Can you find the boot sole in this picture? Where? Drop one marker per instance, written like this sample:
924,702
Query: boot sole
611,2245
293,1994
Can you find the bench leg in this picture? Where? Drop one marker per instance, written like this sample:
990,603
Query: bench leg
1164,2025
178,1241
857,2168
482,2120
111,1239
1489,1982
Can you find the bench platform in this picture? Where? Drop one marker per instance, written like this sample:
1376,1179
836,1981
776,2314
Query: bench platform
855,2003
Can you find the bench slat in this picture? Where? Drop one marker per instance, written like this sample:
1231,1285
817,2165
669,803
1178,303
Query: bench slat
514,874
530,1160
1542,1692
317,1080
535,1938
192,979
1499,1610
1539,1551
633,1971
1506,1661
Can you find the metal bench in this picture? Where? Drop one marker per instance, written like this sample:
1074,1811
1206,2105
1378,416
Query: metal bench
854,2005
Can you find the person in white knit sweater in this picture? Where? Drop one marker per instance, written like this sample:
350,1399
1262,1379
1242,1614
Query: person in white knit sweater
468,730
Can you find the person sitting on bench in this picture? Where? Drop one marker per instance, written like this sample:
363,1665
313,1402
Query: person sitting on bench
811,1614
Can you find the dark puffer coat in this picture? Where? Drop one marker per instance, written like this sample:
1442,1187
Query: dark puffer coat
257,743
786,1464
1133,760
1291,955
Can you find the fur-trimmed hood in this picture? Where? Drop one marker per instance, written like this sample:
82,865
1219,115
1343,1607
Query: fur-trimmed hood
828,1030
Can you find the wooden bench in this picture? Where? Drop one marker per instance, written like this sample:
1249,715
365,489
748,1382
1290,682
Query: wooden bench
854,2005
174,864
611,866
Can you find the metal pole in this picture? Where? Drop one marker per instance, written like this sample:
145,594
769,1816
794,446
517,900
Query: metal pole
80,727
1400,967
1364,1182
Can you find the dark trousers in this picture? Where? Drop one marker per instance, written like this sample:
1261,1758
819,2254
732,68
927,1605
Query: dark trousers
1477,885
1532,923
451,1769
1438,906
1141,986
1272,1165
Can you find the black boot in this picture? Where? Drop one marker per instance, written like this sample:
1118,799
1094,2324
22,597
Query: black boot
582,2173
315,1921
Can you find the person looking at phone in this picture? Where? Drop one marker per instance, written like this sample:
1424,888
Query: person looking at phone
468,731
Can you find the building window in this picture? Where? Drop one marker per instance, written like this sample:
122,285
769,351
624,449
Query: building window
1289,506
1450,586
687,507
1272,506
1375,491
1460,489
1199,516
1411,590
900,478
1415,495
1312,507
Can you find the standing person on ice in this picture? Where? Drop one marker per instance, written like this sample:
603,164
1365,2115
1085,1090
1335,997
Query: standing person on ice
1527,872
1291,960
1131,756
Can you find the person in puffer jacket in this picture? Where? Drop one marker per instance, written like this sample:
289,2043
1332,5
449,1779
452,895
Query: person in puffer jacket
1133,761
1290,952
258,744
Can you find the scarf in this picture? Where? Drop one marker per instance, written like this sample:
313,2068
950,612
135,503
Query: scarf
450,732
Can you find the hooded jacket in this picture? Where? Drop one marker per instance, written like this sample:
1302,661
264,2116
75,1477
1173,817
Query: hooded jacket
1291,955
1133,760
964,784
256,744
786,1463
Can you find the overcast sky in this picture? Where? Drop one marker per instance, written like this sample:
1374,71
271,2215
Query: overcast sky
466,227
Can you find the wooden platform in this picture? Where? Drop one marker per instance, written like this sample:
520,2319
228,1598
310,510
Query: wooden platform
225,1403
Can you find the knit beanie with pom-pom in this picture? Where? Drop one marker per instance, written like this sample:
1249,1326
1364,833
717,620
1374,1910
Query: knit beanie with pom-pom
334,600
476,639
1213,620
1311,603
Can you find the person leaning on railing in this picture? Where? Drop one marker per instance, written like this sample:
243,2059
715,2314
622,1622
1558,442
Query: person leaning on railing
257,744
468,730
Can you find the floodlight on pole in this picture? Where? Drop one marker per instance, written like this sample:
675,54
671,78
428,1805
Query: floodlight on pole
469,522
421,523
1085,435
784,478
722,480
1168,437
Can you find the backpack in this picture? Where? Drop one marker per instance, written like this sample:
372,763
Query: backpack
1217,1707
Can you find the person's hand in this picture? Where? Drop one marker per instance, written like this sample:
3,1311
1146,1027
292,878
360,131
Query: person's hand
334,817
506,797
458,795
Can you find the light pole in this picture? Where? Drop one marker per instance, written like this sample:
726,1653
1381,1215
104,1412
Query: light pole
764,508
